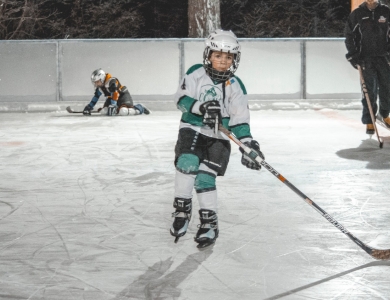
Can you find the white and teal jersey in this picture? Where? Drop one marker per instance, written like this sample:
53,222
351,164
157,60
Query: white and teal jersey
197,87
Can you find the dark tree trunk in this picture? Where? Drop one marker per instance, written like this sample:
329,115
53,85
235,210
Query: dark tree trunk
203,17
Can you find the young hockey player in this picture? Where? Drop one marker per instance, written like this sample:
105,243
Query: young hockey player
209,94
118,102
368,45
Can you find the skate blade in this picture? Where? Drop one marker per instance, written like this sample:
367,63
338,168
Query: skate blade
177,237
205,245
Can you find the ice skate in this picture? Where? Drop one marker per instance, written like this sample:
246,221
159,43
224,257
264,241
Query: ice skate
385,122
146,110
370,129
182,217
208,228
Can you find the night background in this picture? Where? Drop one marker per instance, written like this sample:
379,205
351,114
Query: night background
84,19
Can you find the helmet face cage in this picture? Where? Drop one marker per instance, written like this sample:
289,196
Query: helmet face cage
224,41
98,75
219,75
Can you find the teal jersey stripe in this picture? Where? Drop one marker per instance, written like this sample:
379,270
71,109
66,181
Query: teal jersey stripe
194,68
241,131
225,123
192,119
185,104
241,85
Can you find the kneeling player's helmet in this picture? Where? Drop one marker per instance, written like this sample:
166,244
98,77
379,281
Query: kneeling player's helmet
97,75
224,41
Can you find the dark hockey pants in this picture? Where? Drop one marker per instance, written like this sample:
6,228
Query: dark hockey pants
124,99
376,73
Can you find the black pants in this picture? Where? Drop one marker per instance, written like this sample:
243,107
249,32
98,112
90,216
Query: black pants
214,153
124,99
376,74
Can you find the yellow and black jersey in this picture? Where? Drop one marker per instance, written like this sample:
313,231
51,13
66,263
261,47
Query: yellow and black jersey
112,89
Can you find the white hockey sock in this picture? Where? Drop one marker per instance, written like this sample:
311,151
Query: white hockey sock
208,200
124,111
184,185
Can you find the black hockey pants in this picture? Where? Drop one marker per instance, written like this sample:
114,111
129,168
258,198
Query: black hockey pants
376,73
124,99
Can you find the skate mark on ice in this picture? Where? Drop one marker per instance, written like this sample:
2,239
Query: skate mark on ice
305,287
243,245
55,229
234,223
85,201
362,217
145,144
12,209
155,178
100,149
56,277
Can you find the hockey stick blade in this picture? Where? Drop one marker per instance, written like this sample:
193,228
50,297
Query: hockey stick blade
375,253
380,254
71,111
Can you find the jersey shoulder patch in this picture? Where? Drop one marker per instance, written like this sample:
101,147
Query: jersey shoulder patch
236,80
194,68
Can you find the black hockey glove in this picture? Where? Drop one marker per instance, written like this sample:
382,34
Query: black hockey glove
211,111
111,110
246,160
87,110
354,60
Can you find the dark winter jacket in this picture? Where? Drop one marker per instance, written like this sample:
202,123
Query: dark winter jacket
367,32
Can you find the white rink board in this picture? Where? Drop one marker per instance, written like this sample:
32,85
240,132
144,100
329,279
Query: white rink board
145,67
59,70
328,72
193,53
267,69
28,71
271,69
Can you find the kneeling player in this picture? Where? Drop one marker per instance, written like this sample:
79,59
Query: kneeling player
208,94
118,102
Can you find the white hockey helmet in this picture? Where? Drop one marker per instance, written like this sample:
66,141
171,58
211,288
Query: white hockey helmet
224,41
98,75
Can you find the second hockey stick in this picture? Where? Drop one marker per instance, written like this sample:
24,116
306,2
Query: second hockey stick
375,253
365,92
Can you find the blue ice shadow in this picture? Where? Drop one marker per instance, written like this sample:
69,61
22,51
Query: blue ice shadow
368,150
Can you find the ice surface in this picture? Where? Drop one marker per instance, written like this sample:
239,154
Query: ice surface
86,203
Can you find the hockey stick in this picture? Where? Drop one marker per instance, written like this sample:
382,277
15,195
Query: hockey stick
71,111
365,92
375,253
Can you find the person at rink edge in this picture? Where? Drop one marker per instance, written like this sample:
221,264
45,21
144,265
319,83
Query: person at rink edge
207,95
368,45
118,102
